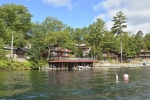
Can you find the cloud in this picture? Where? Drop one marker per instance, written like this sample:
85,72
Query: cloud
137,13
101,16
59,3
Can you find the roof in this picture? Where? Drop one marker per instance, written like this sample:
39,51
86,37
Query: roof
74,61
53,45
8,48
23,49
81,44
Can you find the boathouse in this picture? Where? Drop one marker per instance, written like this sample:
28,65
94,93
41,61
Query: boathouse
60,58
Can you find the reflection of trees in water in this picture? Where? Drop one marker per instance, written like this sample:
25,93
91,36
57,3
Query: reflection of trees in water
63,77
14,83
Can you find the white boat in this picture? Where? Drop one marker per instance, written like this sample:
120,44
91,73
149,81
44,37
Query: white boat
87,67
80,67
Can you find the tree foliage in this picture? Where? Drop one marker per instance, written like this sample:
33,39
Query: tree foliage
15,17
147,40
96,35
119,23
2,52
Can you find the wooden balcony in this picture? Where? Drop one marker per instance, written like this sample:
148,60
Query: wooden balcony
111,56
142,55
59,55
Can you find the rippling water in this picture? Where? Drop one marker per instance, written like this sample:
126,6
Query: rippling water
99,84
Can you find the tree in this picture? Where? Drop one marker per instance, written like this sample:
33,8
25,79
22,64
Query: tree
2,51
14,18
52,24
139,35
132,46
78,36
2,29
147,40
35,53
118,26
95,37
79,52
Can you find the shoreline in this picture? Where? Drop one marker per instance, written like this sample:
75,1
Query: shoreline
121,65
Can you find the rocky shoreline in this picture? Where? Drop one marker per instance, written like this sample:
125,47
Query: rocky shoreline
121,65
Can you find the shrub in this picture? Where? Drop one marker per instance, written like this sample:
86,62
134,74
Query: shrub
26,65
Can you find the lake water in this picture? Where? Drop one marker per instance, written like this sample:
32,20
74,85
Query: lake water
99,84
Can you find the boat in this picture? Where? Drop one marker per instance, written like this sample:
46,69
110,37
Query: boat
80,67
87,67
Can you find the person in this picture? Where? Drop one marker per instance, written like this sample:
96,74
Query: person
126,78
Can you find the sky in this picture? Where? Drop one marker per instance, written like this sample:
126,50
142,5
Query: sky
80,13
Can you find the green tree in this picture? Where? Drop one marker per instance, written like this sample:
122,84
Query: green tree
2,51
95,36
118,26
132,46
52,24
35,53
139,35
2,29
78,36
147,40
14,18
79,52
65,39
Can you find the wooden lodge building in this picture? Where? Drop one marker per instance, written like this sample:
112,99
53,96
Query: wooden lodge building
85,49
110,54
19,54
144,54
60,58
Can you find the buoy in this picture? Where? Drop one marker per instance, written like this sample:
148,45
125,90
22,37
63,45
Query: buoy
116,78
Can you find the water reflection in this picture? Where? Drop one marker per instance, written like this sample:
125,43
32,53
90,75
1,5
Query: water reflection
14,83
77,85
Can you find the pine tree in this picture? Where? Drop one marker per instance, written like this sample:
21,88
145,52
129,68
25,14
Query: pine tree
118,26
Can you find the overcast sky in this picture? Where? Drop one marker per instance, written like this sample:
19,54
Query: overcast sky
80,13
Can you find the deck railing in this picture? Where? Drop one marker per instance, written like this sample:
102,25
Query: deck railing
62,58
81,59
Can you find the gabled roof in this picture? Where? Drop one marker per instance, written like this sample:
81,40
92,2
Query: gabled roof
23,49
8,47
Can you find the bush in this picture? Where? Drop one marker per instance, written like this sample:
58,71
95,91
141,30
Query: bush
26,65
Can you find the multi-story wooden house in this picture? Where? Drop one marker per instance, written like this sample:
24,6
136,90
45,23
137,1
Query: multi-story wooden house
110,54
19,53
85,49
58,53
144,54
